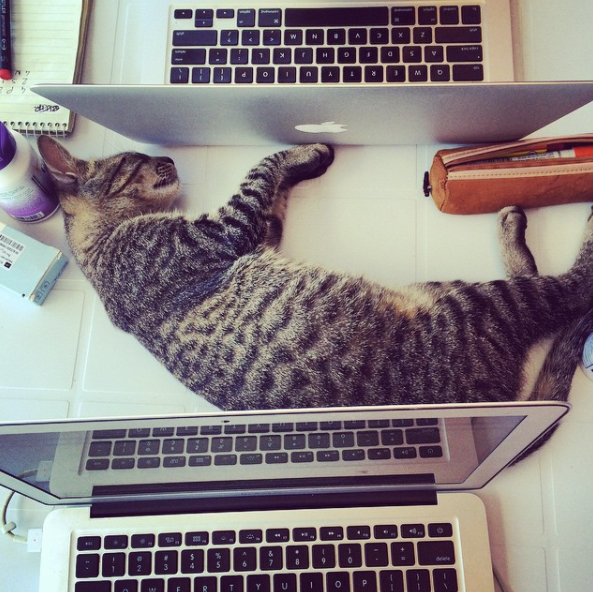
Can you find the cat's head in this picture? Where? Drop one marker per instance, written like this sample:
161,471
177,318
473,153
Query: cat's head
115,188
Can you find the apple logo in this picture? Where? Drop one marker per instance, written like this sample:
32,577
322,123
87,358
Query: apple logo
328,127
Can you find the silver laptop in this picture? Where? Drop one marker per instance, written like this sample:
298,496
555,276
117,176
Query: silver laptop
343,72
351,499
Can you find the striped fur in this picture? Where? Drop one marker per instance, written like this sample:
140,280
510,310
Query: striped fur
238,323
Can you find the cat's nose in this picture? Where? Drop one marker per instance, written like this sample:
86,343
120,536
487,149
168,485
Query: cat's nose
167,159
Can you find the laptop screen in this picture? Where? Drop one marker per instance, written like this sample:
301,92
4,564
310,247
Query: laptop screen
259,453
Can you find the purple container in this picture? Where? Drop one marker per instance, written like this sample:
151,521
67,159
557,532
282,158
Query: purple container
27,192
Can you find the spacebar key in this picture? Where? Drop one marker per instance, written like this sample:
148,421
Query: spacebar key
367,16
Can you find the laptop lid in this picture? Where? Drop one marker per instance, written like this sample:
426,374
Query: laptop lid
345,114
230,460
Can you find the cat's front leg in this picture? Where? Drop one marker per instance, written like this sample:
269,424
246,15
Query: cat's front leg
516,256
307,161
255,214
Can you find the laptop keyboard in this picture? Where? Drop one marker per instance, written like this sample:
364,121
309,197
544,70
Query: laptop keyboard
314,557
410,42
312,443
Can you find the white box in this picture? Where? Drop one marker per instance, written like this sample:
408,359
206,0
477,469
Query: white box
27,267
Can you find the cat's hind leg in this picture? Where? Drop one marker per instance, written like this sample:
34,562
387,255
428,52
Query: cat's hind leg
516,255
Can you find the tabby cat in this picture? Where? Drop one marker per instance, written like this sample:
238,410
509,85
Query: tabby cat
217,303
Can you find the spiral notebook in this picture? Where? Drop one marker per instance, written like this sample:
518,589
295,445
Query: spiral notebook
48,40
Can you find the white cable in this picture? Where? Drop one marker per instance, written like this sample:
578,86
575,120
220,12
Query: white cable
6,527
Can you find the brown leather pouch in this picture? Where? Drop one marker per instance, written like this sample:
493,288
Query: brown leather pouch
529,173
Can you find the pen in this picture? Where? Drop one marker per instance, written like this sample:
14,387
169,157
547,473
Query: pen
575,152
5,45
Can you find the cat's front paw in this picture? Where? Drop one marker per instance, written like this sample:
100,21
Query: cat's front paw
308,161
512,221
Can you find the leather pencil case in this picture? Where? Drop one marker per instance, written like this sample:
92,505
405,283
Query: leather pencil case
528,173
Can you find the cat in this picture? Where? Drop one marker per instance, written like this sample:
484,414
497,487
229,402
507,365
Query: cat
215,301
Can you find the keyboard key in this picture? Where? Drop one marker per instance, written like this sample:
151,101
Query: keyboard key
423,436
403,15
285,582
392,580
246,17
304,534
97,464
358,533
443,529
471,15
178,585
197,538
337,581
418,580
385,531
310,582
140,563
277,535
92,587
123,464
270,17
100,448
250,536
297,557
257,583
440,73
365,581
224,537
430,452
337,17
468,73
350,555
427,15
445,580
143,541
402,554
192,561
270,558
245,559
116,542
449,15
170,539
331,533
458,34
206,584
414,531
404,453
199,38
324,556
88,543
87,565
465,53
436,553
218,560
166,562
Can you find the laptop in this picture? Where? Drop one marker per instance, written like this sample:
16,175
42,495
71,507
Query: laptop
343,499
352,72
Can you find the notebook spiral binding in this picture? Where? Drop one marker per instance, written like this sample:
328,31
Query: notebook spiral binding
33,129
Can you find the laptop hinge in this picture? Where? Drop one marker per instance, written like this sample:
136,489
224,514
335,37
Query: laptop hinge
415,497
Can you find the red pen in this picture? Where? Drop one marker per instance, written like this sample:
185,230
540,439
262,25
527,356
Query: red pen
5,45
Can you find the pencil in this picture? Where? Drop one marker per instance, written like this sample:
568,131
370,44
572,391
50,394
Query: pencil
5,45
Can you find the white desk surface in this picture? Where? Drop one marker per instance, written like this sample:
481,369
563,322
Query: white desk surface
66,360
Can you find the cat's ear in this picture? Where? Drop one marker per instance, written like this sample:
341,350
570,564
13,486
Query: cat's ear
64,168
